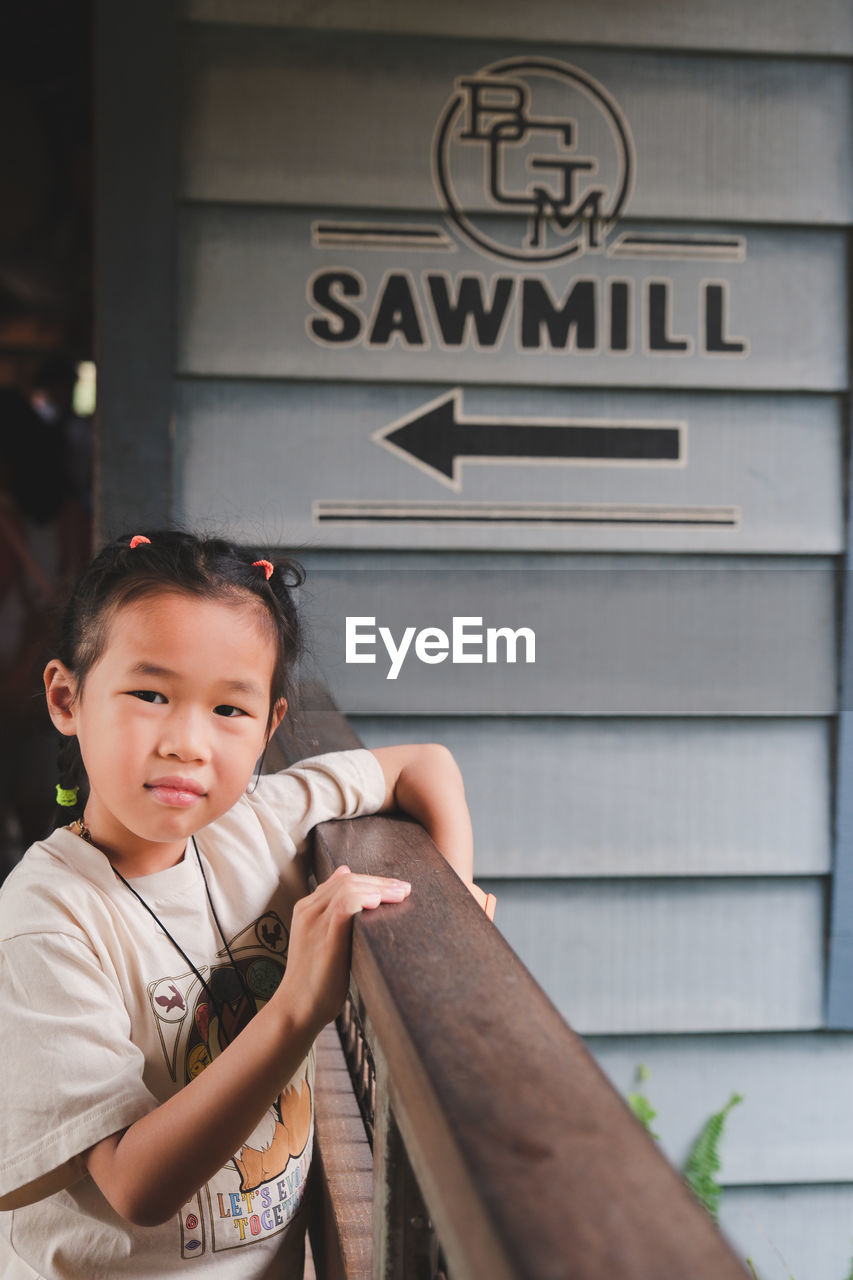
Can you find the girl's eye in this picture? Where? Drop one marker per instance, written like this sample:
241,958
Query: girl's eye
225,709
147,695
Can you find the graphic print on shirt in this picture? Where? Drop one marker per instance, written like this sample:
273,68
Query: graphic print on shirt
257,1193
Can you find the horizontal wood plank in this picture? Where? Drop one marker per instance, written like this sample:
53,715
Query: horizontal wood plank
795,1124
614,635
673,955
253,303
348,119
577,797
761,473
771,26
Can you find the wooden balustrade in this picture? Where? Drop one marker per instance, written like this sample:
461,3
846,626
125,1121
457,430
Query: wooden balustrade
501,1151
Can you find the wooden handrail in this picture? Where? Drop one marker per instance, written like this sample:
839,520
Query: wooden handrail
531,1165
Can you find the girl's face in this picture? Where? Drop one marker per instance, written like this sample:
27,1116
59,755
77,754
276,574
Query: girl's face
171,720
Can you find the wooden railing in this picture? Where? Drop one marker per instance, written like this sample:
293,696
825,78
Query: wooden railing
500,1150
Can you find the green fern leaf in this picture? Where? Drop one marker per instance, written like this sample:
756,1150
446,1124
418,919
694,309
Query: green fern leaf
644,1111
639,1103
703,1162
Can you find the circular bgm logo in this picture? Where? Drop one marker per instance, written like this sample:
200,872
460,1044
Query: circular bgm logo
533,160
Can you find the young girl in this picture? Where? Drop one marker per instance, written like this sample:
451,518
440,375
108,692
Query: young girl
163,971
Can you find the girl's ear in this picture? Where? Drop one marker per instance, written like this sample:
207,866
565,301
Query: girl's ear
278,713
60,687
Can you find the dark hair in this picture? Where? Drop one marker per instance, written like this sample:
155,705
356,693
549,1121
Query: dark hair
172,560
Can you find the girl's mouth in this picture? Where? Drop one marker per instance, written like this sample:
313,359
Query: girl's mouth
178,793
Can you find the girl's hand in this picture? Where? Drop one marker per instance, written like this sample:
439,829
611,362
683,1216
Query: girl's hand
315,981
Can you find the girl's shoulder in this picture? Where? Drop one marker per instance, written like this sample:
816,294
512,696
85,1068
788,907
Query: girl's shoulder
54,887
338,784
344,782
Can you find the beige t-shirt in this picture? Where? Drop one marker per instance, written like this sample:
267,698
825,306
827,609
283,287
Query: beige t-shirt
103,1019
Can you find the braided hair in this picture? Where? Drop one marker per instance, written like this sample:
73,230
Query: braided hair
210,568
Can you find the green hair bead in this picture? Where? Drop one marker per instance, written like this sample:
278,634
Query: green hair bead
66,796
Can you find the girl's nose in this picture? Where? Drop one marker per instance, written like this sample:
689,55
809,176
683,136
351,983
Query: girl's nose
183,735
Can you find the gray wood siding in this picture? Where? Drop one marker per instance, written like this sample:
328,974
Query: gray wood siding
624,956
795,1124
297,463
614,798
792,1231
653,799
614,635
244,273
303,118
768,26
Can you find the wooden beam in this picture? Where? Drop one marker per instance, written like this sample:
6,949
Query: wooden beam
839,990
340,1224
135,115
530,1163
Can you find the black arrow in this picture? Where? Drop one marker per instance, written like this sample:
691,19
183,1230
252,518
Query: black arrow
438,438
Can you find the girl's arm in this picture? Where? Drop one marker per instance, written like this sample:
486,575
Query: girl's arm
148,1171
424,781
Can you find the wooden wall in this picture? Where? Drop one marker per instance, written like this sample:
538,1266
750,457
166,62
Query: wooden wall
653,797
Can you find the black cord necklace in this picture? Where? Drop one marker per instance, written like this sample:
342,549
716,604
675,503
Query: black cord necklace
83,831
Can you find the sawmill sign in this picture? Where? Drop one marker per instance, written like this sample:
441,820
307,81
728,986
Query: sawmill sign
533,163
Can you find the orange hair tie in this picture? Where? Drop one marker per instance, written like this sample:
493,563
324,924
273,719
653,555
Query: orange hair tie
265,565
138,539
